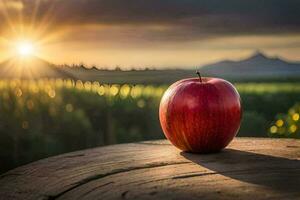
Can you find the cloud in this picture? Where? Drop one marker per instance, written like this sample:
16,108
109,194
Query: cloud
11,5
173,19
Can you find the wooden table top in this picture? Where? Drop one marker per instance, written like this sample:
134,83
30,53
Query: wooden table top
249,168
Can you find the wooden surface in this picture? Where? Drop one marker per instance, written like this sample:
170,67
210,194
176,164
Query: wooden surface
248,169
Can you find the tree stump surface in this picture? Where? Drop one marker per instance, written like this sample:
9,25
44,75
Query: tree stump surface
249,168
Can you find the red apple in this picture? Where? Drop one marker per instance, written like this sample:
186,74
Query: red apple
200,114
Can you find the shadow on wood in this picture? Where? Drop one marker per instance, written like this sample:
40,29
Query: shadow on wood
277,173
264,169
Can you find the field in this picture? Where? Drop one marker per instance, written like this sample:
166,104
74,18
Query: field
48,117
166,76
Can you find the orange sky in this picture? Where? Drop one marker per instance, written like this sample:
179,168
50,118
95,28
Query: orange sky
150,33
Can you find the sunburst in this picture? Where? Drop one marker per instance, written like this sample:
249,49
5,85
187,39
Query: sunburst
24,35
27,37
25,48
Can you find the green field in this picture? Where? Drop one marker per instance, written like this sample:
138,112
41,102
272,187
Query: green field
48,117
164,76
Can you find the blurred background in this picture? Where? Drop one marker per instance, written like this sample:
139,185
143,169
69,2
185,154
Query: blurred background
80,74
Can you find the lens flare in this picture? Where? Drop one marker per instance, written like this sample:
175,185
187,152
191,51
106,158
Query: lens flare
25,48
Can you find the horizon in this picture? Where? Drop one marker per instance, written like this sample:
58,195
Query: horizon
141,67
150,33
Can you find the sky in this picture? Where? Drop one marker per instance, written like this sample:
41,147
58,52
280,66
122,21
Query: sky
150,33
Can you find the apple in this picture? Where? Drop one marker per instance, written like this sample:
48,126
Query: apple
200,115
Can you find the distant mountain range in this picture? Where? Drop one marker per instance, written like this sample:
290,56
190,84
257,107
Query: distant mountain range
257,65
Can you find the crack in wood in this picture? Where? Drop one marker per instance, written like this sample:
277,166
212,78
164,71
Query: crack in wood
95,188
10,174
262,170
113,172
292,146
153,143
123,195
74,156
194,175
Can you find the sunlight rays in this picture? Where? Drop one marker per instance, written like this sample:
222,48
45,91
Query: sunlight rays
26,32
5,9
25,48
34,13
30,23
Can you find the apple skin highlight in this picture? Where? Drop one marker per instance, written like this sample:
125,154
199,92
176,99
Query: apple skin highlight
200,115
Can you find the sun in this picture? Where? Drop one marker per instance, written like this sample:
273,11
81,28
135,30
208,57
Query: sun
25,48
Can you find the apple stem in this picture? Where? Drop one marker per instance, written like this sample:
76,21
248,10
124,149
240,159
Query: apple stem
197,72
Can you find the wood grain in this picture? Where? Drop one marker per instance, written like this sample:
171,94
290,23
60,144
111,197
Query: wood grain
249,168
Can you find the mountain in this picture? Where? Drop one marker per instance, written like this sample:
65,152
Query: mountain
256,66
31,68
